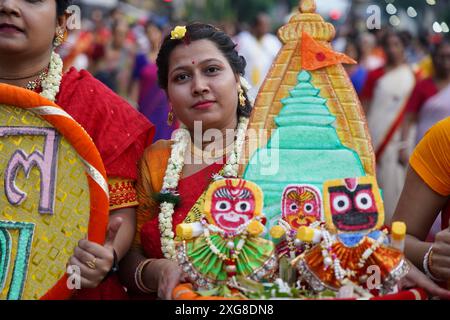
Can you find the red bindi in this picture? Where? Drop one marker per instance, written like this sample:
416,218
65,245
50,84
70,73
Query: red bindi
320,56
193,62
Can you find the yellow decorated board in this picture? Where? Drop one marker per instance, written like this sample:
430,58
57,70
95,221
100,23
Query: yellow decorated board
54,193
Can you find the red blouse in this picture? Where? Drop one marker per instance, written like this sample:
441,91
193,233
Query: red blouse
423,91
371,82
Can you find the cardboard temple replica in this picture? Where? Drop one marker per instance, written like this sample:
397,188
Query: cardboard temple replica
312,227
322,205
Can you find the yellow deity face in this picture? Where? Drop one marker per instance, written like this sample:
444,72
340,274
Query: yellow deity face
230,203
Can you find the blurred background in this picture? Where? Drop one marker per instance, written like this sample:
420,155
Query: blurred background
412,15
133,28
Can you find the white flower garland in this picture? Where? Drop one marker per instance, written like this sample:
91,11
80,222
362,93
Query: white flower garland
172,177
51,83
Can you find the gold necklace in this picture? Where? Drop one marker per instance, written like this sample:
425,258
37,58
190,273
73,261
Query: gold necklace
211,154
36,83
21,78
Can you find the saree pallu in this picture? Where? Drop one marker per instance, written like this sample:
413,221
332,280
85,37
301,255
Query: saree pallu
435,109
152,169
384,118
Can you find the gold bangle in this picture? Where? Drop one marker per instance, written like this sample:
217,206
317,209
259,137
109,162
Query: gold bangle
138,276
427,263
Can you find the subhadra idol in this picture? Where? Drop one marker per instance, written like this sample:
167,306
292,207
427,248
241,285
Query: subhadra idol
301,206
54,193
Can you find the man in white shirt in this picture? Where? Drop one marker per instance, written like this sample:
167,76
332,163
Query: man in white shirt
259,48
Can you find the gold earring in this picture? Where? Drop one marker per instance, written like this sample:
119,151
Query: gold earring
170,117
59,39
242,99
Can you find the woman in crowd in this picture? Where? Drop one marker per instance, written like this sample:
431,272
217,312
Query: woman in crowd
29,33
115,66
200,71
384,97
425,194
356,72
428,103
152,100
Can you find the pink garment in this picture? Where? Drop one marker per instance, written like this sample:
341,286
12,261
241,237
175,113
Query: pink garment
434,110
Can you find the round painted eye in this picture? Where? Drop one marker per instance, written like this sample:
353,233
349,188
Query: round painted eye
242,206
364,200
223,206
341,203
308,208
293,207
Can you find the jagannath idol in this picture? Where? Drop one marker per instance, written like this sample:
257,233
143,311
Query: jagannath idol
352,240
227,242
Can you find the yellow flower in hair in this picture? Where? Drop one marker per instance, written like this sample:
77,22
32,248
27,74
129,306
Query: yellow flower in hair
178,33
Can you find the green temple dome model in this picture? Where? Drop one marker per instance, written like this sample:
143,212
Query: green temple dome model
304,148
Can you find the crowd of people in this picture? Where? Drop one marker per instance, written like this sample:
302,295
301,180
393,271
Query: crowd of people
151,78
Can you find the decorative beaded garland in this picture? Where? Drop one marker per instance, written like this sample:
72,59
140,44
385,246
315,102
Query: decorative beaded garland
330,259
172,177
235,251
368,252
241,232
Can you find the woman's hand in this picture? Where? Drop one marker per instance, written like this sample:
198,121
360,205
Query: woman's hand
95,260
169,275
415,278
439,259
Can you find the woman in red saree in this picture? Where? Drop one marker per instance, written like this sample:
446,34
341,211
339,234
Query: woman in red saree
29,33
384,97
200,70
